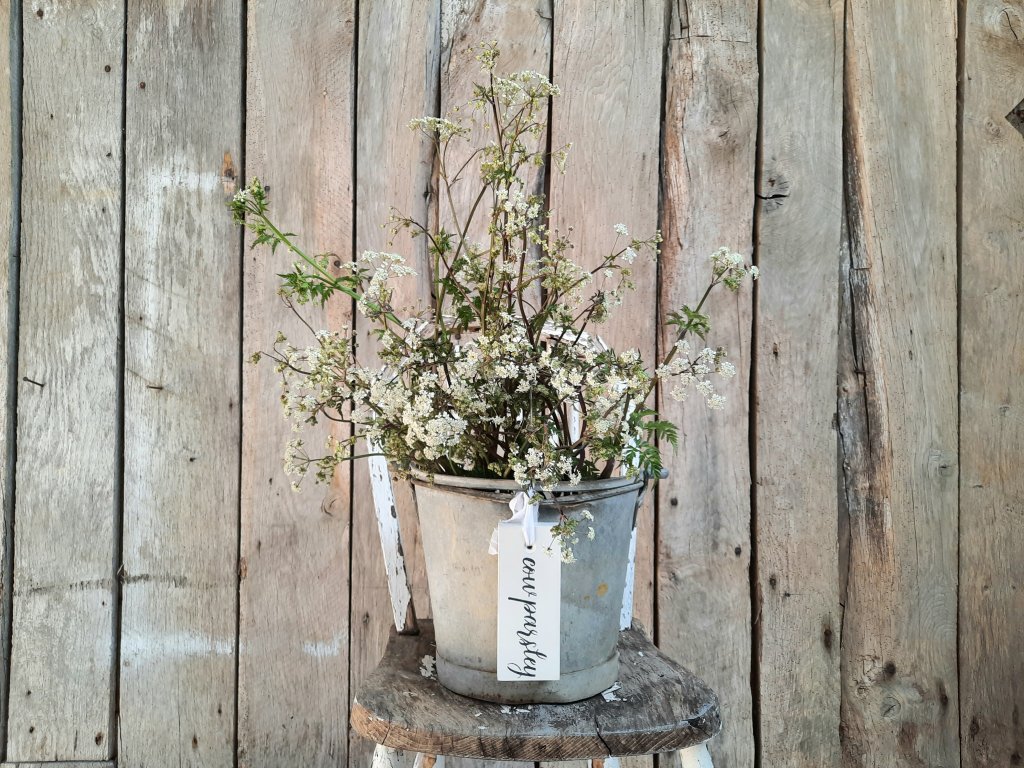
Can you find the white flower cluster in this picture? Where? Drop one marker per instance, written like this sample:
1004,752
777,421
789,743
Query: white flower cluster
693,372
441,127
566,533
498,375
382,267
731,268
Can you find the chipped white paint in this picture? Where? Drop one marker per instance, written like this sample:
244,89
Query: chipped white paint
323,649
163,186
626,616
390,539
608,694
509,710
428,667
575,422
158,647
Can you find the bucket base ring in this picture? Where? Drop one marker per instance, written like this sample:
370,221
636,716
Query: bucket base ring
484,685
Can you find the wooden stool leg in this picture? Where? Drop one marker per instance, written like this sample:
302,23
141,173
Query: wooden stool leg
695,757
429,761
386,757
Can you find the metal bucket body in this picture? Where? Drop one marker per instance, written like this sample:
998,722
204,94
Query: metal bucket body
457,517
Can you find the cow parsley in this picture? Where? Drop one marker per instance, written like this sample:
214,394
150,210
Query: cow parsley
497,374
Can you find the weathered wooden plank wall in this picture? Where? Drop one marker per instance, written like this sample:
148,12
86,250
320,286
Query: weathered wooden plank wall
294,552
709,136
62,695
839,553
799,224
899,423
10,128
991,371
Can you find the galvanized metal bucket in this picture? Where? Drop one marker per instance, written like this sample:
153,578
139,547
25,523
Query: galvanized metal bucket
457,516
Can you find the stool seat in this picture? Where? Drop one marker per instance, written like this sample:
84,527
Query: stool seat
659,707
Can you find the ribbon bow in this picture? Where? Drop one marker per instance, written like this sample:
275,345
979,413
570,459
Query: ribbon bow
523,512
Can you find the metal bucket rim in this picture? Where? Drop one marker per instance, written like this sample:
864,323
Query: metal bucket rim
484,484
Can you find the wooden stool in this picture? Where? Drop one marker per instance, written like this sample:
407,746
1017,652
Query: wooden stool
658,707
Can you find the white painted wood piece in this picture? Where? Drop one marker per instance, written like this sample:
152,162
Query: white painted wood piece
691,757
386,510
626,615
428,761
694,757
386,757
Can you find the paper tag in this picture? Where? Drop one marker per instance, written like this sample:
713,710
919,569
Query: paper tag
529,604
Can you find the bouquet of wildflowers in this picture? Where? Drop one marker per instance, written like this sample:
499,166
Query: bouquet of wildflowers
500,374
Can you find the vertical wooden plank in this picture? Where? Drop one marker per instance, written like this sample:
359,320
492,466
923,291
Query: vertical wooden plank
607,60
991,371
704,523
10,76
397,81
608,63
182,387
799,217
523,32
68,421
294,591
898,407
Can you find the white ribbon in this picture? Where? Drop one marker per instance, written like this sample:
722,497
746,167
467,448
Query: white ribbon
522,512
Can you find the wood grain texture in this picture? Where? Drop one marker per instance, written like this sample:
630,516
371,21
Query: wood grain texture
82,764
798,245
608,62
294,625
397,81
704,507
660,707
898,404
182,386
991,371
9,184
68,421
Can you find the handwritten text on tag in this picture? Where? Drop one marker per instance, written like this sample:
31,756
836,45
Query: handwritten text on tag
529,604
